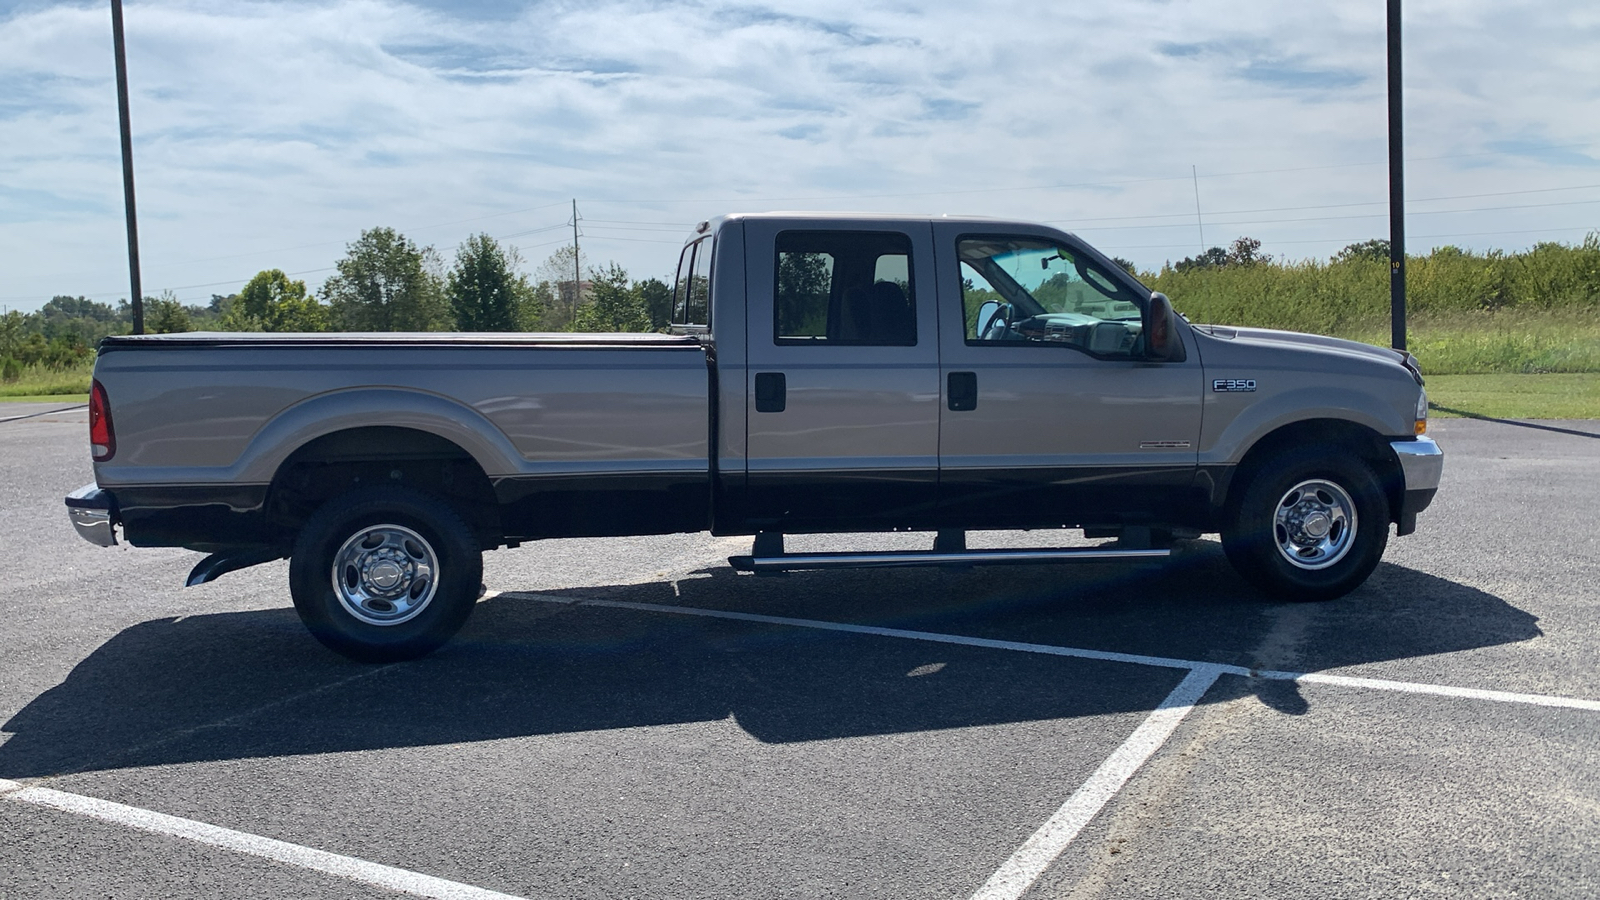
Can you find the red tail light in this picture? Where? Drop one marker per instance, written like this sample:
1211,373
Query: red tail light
102,438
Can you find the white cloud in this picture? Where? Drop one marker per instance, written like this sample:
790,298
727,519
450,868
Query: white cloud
267,134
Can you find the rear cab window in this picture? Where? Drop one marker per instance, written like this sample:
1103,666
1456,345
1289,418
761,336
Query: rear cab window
844,288
691,292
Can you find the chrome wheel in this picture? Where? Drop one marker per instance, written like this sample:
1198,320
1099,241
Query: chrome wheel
1315,524
385,574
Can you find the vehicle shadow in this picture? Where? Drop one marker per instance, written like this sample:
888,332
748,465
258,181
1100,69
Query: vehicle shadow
253,684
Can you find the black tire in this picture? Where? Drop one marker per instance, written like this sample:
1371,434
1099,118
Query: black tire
1333,527
405,587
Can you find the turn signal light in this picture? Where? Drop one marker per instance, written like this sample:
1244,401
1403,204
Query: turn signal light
102,439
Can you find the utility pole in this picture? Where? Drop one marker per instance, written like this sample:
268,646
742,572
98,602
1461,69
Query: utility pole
577,274
1397,190
127,166
1195,172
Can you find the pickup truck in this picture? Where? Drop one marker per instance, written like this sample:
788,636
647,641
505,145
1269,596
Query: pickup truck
823,374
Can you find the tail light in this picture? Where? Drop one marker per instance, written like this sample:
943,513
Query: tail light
102,438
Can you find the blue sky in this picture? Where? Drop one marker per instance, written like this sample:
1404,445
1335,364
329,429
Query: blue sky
267,135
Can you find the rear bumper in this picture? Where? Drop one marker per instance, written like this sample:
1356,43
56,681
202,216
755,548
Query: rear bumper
93,514
1421,462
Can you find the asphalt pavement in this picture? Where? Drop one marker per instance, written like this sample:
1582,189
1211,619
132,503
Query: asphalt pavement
628,717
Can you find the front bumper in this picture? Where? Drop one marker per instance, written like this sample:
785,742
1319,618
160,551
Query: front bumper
1421,464
93,513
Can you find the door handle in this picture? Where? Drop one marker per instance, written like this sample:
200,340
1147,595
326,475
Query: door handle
961,391
771,392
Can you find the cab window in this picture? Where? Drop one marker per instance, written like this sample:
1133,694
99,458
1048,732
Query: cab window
1024,290
691,293
847,288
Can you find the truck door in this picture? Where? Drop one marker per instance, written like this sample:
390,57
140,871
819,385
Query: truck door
1053,413
843,390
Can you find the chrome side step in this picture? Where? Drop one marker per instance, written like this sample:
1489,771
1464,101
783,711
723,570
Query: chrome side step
792,562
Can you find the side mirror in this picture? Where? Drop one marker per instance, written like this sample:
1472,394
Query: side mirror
987,314
1161,330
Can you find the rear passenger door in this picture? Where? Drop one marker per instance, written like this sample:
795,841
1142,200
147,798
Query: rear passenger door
843,392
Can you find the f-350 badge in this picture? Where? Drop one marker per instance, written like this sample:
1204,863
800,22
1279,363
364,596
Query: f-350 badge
1233,384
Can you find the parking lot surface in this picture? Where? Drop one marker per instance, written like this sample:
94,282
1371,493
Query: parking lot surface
627,717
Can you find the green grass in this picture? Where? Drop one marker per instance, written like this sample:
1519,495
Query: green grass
63,399
1570,396
1494,342
45,381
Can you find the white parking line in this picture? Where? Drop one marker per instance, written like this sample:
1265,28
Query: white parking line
402,880
1025,866
1164,662
1019,872
1012,879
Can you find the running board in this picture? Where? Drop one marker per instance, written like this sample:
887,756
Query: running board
792,562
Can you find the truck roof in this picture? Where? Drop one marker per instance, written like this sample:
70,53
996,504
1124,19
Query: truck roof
710,226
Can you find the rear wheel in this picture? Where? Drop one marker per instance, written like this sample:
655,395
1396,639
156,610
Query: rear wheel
385,574
1310,524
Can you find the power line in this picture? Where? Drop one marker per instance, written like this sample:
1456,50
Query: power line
1349,240
1376,215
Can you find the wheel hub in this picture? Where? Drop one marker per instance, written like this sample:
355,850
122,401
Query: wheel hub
385,574
1315,524
387,571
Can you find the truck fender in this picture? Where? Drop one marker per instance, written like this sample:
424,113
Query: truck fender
1304,404
342,410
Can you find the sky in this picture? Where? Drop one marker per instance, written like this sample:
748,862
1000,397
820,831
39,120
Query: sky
270,134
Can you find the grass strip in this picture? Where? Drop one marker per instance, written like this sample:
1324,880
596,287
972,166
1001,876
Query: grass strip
1569,396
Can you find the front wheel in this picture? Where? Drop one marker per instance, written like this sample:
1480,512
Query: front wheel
1308,525
385,574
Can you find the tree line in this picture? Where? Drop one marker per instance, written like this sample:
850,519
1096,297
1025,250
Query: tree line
384,282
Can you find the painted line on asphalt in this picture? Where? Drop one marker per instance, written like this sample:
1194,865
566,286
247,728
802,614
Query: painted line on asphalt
1164,662
1018,873
347,867
1024,867
45,413
1436,690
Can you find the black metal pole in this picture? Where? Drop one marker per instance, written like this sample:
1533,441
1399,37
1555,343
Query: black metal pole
1397,190
127,167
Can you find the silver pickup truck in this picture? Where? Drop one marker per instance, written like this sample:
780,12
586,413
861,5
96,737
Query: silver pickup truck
826,373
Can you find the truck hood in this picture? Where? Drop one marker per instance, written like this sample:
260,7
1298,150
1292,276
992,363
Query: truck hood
1294,340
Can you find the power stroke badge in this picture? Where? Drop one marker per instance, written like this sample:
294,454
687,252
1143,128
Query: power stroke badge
1233,384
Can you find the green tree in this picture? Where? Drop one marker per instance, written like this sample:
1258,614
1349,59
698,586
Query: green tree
804,280
485,290
1376,248
657,299
272,302
615,305
556,274
11,325
387,283
165,315
536,307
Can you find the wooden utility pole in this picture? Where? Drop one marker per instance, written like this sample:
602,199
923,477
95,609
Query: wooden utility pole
127,167
577,273
1397,190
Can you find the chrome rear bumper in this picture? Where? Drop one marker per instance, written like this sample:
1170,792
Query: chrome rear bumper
93,514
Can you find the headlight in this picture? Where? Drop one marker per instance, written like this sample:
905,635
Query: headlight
1422,412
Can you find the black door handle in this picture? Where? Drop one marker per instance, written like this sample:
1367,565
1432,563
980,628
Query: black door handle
771,392
961,391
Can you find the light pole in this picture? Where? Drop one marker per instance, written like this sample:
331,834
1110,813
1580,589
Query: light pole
1397,190
127,167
